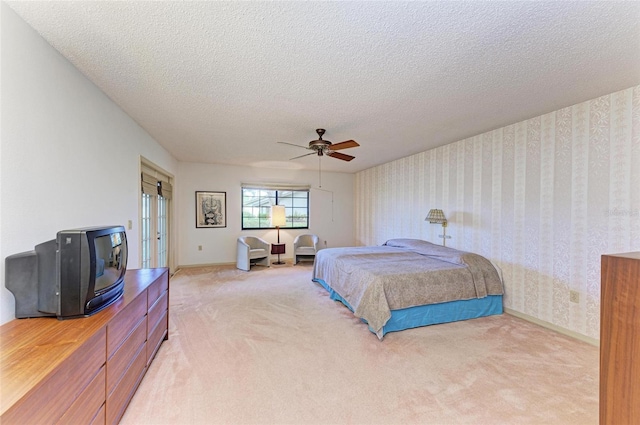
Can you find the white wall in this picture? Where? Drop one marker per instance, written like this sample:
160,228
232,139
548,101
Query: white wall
544,198
70,156
332,222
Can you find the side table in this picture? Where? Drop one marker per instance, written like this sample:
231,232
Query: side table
278,248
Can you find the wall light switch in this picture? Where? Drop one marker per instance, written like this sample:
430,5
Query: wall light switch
129,224
199,247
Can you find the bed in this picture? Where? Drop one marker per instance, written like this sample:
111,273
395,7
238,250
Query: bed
407,283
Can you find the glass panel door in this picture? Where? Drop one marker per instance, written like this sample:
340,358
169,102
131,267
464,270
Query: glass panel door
155,217
162,251
154,244
146,224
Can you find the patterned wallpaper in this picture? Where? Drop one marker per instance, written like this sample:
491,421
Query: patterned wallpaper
543,198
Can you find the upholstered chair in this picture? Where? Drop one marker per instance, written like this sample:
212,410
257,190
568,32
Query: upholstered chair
252,250
305,248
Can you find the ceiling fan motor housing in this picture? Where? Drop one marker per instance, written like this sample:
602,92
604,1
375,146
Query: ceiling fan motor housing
319,145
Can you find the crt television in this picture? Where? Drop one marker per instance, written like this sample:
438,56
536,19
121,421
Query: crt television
77,274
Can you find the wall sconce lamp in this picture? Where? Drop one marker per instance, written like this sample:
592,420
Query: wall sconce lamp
437,216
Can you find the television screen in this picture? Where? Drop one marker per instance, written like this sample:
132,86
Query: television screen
111,259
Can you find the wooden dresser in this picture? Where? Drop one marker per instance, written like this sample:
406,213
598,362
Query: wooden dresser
83,371
620,339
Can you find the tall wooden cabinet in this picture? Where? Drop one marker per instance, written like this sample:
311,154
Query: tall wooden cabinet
83,371
620,339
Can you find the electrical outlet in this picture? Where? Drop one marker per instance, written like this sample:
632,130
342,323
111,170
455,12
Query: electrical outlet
574,296
199,247
325,243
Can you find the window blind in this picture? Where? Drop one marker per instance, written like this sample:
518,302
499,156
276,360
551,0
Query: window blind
156,183
149,184
276,186
165,190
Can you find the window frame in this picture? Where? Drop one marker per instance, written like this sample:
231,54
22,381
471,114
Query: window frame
277,197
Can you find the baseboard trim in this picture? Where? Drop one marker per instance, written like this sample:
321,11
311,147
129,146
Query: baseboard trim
559,329
288,260
194,266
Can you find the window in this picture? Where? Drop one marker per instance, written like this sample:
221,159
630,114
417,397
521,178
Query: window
257,202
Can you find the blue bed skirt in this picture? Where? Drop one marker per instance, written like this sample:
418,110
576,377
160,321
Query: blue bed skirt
432,314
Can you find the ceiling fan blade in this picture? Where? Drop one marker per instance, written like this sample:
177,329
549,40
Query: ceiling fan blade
306,154
341,156
300,146
344,145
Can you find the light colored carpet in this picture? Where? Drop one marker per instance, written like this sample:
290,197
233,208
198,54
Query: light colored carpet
270,347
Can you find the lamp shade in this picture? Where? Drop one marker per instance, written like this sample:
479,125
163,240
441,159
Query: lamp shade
278,217
435,216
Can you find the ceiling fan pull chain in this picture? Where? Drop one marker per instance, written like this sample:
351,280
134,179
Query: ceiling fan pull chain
320,171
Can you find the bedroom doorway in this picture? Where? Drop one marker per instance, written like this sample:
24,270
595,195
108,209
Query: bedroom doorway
155,216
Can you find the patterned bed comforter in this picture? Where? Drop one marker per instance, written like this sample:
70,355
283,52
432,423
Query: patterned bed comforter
404,273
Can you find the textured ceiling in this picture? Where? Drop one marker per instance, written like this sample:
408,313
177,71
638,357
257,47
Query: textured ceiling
222,82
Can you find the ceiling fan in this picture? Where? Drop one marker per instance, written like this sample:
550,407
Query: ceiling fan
323,147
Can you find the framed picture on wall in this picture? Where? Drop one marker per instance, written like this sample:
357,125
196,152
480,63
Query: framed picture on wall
211,209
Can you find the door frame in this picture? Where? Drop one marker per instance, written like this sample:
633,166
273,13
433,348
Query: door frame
151,168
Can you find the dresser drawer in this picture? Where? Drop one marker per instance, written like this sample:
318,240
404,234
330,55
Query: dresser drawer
157,310
156,337
119,399
124,355
85,409
156,289
124,323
